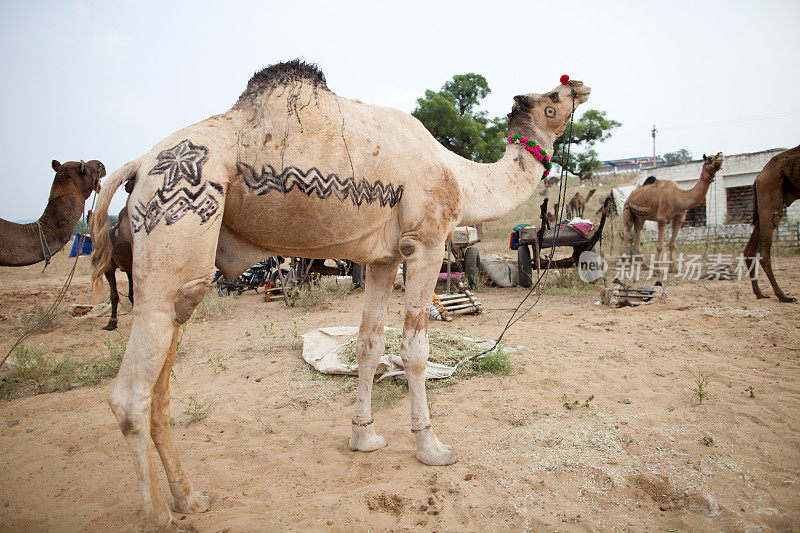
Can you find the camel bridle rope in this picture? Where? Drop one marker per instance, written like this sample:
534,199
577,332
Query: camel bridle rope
542,279
45,247
61,293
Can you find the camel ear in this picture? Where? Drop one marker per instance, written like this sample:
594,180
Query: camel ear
705,157
83,167
56,165
523,101
129,186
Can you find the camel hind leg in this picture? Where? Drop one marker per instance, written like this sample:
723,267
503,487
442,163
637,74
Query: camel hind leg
369,349
767,228
111,277
137,397
185,500
749,253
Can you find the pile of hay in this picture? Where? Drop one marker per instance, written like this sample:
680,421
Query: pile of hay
446,349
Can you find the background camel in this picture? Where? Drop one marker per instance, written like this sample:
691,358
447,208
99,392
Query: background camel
26,244
578,203
294,170
664,202
776,187
121,258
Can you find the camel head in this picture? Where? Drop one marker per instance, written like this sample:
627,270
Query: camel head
545,116
711,164
83,176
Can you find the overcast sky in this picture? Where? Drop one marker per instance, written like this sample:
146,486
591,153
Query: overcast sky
107,80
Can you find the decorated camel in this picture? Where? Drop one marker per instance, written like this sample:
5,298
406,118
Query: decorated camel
26,244
294,170
665,202
121,237
777,186
578,203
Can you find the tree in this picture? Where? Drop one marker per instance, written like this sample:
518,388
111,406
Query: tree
593,127
451,117
681,156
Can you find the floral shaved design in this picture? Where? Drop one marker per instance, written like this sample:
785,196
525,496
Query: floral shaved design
182,161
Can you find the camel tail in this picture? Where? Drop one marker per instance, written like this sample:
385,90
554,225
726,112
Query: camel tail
101,243
755,204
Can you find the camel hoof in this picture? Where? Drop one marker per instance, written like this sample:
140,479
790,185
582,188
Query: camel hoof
111,326
364,439
197,502
432,452
442,457
762,297
788,300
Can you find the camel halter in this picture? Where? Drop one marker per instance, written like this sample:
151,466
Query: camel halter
535,149
45,247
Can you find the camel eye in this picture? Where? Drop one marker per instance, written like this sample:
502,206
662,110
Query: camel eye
554,97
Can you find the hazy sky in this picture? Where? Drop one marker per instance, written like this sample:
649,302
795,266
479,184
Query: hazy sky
107,80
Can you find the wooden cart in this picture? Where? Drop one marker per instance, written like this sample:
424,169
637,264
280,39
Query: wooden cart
544,237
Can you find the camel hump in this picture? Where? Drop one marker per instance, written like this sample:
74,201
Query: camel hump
649,180
283,74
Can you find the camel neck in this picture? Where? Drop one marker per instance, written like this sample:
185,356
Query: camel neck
24,242
491,191
693,197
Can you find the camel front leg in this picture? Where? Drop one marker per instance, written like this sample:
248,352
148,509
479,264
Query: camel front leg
185,499
369,349
638,226
423,269
627,224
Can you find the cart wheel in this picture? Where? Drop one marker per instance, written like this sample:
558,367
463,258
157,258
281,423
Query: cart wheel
472,261
359,273
524,265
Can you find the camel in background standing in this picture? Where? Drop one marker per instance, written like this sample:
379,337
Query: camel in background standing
27,244
777,186
299,171
663,201
578,204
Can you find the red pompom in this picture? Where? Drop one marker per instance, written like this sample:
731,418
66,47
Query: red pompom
564,79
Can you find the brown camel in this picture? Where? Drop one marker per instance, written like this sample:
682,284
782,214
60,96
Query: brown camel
293,169
663,201
26,244
777,186
122,259
578,204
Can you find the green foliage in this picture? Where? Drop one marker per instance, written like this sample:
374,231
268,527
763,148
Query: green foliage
575,404
681,156
593,127
196,410
701,387
35,373
451,117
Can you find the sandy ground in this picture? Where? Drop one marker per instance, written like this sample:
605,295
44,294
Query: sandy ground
273,447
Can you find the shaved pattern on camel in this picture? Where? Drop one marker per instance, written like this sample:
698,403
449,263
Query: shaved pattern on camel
182,162
313,181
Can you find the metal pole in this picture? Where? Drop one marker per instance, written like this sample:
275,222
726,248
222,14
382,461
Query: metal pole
654,144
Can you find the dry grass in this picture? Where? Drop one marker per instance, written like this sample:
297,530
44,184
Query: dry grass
318,293
214,306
